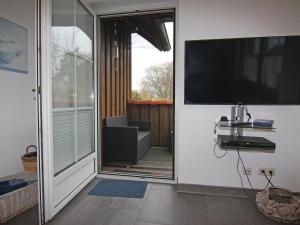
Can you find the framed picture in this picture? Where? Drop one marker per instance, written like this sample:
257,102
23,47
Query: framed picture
13,47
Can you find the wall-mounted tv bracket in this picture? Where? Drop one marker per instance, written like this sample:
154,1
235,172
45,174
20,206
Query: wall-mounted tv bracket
237,116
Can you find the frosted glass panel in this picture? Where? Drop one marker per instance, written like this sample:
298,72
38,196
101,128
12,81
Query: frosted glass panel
63,140
85,133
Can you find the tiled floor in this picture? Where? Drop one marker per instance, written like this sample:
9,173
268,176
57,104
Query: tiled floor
162,205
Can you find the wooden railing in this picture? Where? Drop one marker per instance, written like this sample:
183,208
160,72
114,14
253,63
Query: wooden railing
160,113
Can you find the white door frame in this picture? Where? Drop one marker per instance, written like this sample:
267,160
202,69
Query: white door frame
53,203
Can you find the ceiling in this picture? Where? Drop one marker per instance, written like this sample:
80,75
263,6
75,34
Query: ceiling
114,6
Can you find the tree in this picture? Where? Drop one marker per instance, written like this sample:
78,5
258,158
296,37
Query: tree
63,79
136,95
158,82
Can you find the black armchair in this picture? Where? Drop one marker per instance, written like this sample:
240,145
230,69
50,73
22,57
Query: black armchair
125,141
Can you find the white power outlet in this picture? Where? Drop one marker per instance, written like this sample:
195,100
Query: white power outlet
247,171
268,171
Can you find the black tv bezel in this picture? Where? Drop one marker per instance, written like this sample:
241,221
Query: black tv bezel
233,103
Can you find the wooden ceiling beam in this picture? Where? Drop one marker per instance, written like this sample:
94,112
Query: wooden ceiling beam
150,27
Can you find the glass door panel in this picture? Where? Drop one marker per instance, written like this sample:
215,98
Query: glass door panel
63,84
84,81
72,83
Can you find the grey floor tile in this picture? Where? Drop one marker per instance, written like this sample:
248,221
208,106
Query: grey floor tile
217,210
158,207
133,204
127,203
191,210
161,205
117,202
142,223
125,217
169,187
103,217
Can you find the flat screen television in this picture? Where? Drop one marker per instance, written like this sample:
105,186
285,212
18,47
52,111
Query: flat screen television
262,70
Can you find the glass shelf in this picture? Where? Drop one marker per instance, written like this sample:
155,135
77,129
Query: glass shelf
247,149
244,126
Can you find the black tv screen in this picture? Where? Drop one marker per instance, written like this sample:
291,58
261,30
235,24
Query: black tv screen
264,70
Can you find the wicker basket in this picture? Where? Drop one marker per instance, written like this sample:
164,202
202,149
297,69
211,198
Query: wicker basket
18,201
29,160
279,204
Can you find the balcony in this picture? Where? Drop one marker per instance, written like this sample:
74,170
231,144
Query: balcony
116,89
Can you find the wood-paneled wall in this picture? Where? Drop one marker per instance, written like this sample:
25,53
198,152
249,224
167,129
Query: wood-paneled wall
115,74
161,117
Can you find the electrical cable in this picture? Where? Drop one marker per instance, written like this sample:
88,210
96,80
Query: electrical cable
269,179
219,156
238,150
215,128
241,178
245,191
247,113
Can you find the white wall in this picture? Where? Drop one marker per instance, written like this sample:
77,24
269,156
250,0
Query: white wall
17,111
210,19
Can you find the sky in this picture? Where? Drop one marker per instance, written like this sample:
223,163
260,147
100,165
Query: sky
64,36
145,55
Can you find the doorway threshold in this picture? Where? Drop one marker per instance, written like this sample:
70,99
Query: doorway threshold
136,177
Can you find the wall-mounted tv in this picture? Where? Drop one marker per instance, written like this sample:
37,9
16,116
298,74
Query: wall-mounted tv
262,70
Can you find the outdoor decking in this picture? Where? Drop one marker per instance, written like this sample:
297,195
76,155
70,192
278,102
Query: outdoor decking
157,162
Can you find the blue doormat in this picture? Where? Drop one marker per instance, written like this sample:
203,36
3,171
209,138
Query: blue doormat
120,188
